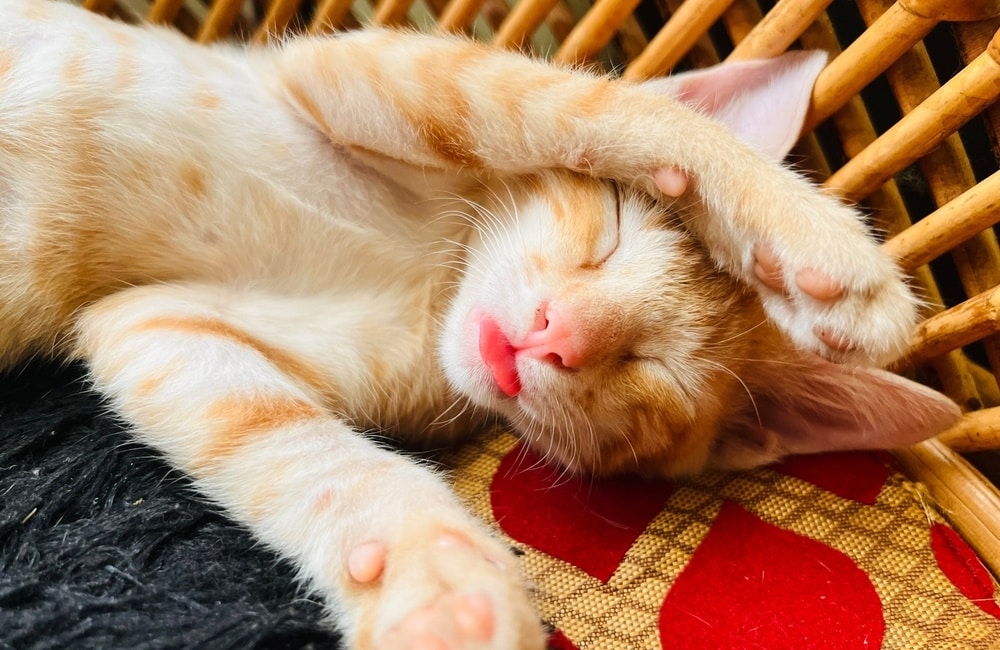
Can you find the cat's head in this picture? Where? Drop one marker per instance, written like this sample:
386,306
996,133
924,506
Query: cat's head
592,320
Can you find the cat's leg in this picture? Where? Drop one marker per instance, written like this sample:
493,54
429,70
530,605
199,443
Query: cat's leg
381,537
450,104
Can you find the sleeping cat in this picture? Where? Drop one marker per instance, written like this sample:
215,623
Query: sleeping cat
262,255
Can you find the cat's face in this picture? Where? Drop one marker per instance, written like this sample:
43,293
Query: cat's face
599,328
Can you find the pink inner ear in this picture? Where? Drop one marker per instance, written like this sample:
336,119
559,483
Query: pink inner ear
822,406
763,103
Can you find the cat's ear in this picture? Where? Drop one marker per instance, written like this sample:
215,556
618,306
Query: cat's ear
814,406
763,102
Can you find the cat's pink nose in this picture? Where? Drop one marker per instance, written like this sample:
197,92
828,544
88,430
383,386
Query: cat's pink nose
554,338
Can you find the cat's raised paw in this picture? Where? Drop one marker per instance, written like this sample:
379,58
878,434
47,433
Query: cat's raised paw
848,307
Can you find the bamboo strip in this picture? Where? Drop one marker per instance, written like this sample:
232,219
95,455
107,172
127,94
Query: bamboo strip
818,35
631,38
391,12
912,137
978,431
973,39
778,29
740,19
957,382
164,11
436,7
594,30
329,16
458,14
682,31
521,23
275,22
975,210
560,21
965,498
219,20
986,383
969,321
703,53
99,6
951,11
895,32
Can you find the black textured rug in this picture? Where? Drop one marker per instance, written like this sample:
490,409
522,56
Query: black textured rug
103,546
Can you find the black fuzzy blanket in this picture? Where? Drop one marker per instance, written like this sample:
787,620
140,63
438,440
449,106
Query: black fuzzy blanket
102,545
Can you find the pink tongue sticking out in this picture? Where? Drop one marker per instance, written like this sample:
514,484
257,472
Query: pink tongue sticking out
498,355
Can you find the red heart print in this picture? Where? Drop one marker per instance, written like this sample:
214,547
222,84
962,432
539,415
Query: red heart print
964,569
857,475
753,585
589,522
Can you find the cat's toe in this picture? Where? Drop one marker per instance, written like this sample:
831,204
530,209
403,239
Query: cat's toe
768,269
818,285
453,621
367,561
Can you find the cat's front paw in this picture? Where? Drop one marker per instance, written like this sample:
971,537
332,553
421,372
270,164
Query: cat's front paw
838,295
442,588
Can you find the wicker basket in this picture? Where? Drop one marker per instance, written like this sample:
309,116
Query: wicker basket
883,130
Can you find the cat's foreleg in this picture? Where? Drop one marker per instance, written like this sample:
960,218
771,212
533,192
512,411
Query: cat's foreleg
451,104
379,536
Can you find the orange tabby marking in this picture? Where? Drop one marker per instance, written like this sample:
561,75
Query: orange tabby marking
193,181
283,361
238,420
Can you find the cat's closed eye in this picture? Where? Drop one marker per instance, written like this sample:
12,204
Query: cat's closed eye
610,237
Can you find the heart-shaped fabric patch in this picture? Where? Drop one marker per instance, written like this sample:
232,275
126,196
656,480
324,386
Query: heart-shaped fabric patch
751,584
588,522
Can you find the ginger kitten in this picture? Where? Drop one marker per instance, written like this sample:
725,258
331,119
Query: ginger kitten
260,255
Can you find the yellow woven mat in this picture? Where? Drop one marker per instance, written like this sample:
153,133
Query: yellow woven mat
882,550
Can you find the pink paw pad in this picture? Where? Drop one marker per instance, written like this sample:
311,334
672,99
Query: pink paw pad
672,181
367,561
811,282
819,286
767,269
474,616
450,622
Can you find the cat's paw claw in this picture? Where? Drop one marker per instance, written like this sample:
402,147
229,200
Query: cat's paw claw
832,340
367,561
